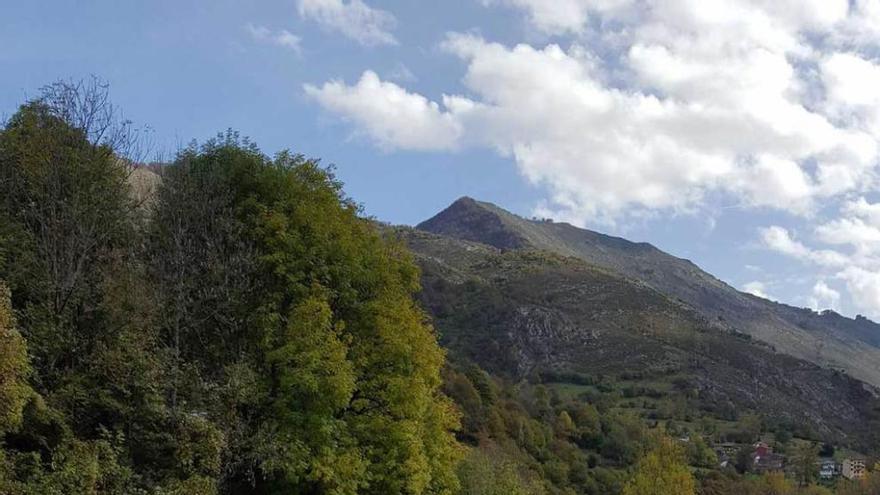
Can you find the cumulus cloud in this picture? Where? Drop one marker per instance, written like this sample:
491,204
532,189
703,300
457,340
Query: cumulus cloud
864,287
781,240
388,114
704,98
756,288
824,297
354,19
854,234
646,106
282,38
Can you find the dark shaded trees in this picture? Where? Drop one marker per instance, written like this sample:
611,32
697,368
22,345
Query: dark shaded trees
68,237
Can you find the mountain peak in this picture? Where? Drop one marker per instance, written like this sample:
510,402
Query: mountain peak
477,221
796,331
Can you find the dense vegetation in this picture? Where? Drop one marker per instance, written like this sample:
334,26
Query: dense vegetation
531,439
239,327
245,332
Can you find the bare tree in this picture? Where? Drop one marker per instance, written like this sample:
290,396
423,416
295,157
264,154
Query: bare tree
65,161
85,105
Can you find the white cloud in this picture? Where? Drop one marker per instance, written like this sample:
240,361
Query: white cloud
668,106
706,97
854,231
756,288
855,259
559,16
824,297
282,38
857,228
864,287
775,182
862,27
851,83
354,19
780,240
389,114
851,80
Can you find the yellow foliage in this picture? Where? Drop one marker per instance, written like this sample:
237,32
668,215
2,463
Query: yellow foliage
662,471
14,391
776,484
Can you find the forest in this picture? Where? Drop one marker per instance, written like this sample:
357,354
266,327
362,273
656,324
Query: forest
238,326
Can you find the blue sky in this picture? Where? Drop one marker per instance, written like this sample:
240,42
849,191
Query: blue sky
742,135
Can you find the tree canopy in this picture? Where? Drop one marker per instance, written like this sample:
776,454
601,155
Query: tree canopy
249,331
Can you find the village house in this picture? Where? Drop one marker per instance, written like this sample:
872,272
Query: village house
729,449
853,469
769,462
764,460
762,449
828,469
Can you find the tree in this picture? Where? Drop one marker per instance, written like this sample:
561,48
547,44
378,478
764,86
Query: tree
327,375
803,463
460,389
69,236
564,426
661,471
744,459
14,390
65,213
776,484
752,426
700,454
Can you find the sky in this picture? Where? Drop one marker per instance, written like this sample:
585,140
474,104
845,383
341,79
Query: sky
743,135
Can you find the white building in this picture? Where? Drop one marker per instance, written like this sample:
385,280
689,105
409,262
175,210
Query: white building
853,469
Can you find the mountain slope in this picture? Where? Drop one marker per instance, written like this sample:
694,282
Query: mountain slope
527,314
826,339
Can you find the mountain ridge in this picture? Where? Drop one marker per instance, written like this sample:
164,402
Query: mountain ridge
530,315
826,339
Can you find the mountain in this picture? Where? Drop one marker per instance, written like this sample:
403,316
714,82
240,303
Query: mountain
591,333
826,339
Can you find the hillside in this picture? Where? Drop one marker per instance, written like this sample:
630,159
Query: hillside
536,315
826,339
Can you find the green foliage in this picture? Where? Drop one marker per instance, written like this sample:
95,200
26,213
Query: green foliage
803,463
247,331
319,317
536,441
700,454
250,333
491,472
14,390
661,471
64,207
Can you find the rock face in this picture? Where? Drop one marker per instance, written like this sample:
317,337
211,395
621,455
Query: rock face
527,313
826,339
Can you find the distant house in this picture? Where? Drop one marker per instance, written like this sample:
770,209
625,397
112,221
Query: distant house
769,463
828,469
853,469
729,449
764,460
762,449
